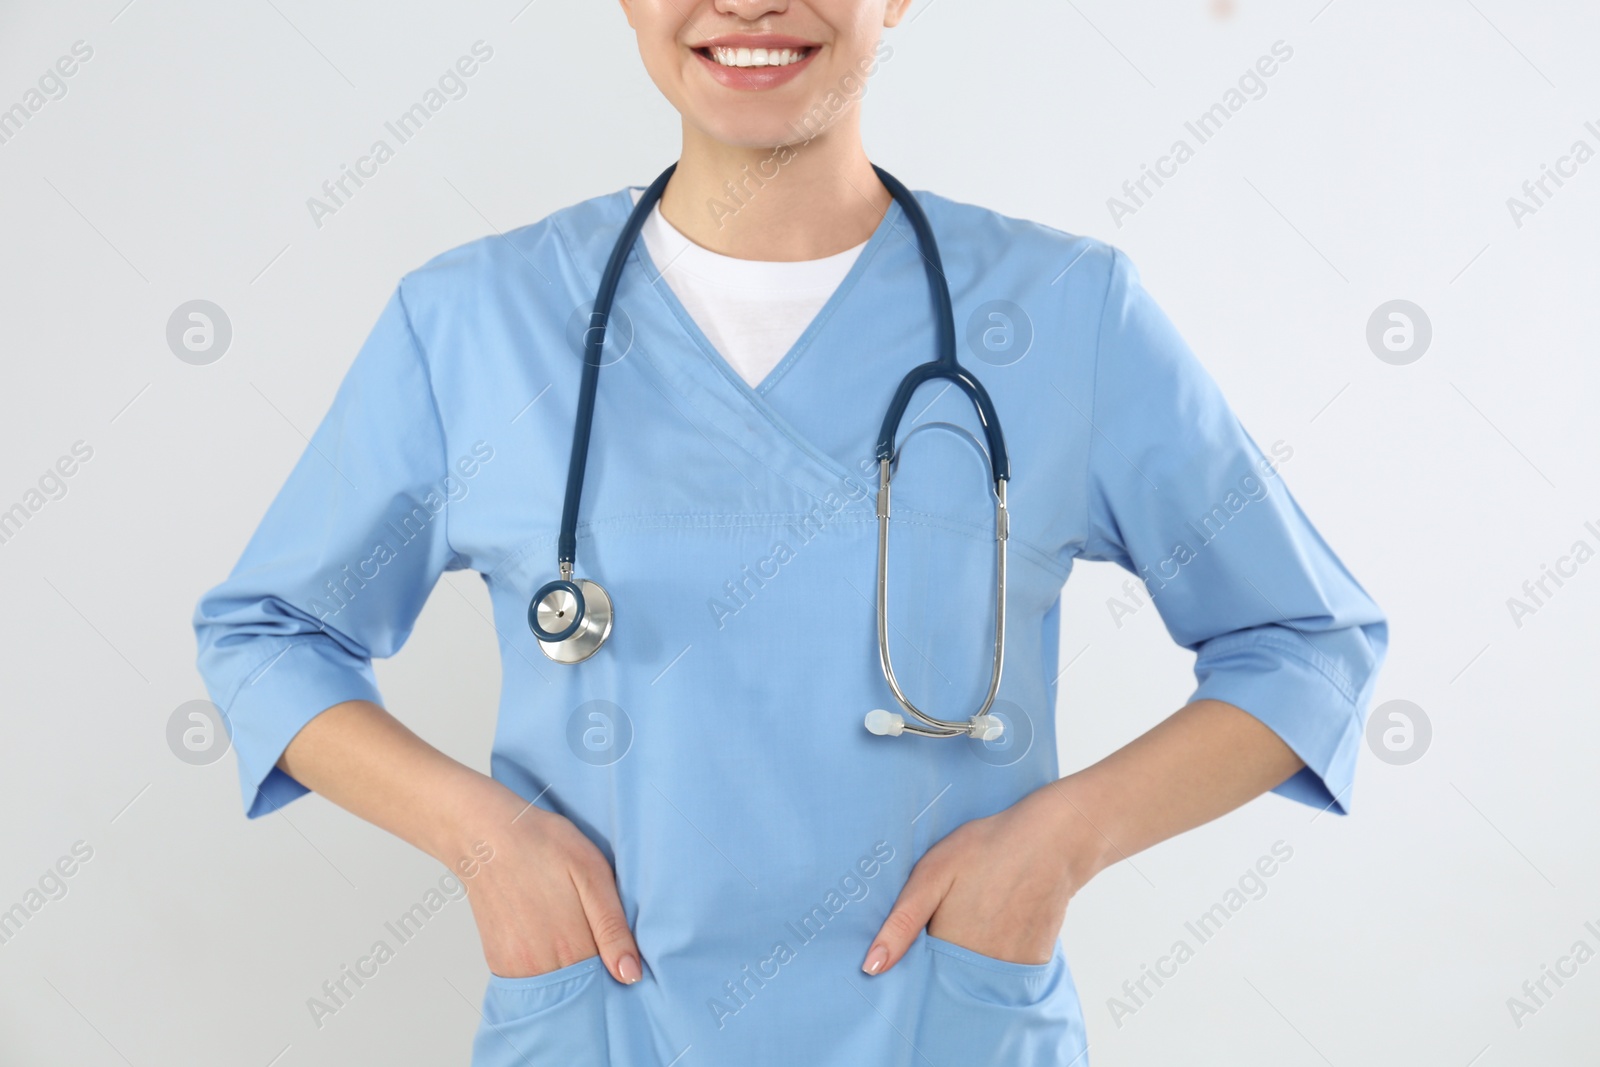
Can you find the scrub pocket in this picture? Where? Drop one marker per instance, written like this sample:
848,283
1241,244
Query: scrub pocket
982,1011
554,1018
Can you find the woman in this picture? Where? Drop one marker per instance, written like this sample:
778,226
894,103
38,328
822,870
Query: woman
691,850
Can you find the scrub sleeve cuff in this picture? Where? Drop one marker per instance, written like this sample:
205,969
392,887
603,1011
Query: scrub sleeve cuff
296,684
1302,697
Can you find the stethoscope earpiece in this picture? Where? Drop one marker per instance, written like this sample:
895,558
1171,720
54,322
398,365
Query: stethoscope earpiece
883,723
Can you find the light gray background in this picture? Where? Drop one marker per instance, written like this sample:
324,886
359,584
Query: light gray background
1376,167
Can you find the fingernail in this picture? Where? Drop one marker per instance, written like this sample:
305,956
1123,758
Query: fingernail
876,959
628,967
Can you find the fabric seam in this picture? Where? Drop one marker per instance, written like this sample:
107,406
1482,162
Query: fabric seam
1247,638
1094,396
583,969
756,520
433,404
977,959
287,646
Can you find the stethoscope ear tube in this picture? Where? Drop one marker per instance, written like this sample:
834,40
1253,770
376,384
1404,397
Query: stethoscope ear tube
982,725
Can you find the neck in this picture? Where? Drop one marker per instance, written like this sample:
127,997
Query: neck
803,201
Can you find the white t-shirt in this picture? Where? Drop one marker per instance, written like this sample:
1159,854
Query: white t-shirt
752,311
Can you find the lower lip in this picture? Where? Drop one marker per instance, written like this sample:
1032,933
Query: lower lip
756,78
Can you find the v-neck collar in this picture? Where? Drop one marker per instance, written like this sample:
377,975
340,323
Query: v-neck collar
654,274
714,374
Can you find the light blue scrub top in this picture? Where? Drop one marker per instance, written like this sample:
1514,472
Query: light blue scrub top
714,747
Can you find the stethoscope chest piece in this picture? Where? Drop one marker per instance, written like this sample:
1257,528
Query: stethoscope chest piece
570,619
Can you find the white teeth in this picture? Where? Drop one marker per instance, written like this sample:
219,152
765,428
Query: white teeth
757,57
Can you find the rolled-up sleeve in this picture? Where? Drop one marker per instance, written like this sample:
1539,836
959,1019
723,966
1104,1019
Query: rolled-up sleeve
338,569
1181,495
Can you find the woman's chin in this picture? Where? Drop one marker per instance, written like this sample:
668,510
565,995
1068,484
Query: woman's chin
770,131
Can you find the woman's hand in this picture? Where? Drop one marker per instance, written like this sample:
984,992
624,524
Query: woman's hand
547,897
541,892
998,886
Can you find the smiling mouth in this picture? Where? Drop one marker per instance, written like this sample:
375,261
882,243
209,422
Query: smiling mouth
744,58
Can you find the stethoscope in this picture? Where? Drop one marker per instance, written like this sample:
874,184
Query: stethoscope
572,618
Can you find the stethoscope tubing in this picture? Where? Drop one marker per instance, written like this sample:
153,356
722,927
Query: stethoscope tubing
946,366
593,342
